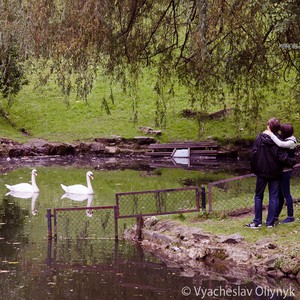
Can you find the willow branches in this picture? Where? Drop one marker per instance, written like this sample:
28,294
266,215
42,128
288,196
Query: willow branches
209,45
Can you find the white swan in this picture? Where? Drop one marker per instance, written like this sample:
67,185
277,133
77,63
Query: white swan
25,187
79,188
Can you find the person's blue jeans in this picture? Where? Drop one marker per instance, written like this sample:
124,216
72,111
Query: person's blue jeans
285,193
273,186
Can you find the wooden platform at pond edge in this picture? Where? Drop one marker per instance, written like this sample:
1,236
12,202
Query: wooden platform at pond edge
199,150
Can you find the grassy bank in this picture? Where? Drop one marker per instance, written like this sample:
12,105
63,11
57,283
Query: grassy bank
282,234
43,112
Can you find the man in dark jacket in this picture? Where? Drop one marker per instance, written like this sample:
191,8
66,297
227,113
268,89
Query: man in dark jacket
267,161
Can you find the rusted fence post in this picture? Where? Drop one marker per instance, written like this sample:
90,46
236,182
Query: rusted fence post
203,199
139,227
49,223
116,214
55,224
210,209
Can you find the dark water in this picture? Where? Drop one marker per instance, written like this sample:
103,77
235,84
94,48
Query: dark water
105,270
34,267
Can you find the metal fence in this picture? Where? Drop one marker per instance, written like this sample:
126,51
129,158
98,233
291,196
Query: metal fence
230,196
235,195
108,222
158,202
83,222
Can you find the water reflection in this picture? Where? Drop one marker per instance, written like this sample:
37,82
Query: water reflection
108,270
86,267
81,197
12,232
119,270
181,161
26,195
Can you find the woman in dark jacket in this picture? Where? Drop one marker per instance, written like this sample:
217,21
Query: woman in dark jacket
267,162
289,142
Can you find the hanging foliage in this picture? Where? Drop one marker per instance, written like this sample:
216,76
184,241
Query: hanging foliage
211,46
12,76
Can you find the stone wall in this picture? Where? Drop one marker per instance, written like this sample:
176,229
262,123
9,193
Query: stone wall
194,251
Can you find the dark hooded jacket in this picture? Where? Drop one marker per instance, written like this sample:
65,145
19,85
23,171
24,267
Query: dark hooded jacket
267,159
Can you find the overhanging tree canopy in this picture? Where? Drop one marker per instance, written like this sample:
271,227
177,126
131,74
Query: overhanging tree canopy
211,46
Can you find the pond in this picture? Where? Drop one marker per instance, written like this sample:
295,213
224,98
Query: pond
35,267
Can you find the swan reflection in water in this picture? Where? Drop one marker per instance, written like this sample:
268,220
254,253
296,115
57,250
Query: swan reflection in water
80,198
26,195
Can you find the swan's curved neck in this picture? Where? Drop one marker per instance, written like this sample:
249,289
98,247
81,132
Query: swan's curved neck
88,181
34,186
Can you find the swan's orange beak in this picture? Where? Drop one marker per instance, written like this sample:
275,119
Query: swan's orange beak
92,177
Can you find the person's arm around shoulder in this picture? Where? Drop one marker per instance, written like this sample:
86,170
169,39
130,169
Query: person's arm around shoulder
284,159
289,144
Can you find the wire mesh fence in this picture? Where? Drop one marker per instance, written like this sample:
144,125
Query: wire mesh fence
85,223
158,202
107,222
235,195
231,196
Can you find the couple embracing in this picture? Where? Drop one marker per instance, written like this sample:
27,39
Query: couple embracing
271,160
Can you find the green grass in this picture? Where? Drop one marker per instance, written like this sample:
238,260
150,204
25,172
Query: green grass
282,234
43,112
237,195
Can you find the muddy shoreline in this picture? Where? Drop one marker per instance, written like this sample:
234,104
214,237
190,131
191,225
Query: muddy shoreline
109,153
115,146
99,146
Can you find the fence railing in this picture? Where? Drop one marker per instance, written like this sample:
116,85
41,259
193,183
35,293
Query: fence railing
158,202
83,222
104,221
236,194
231,195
